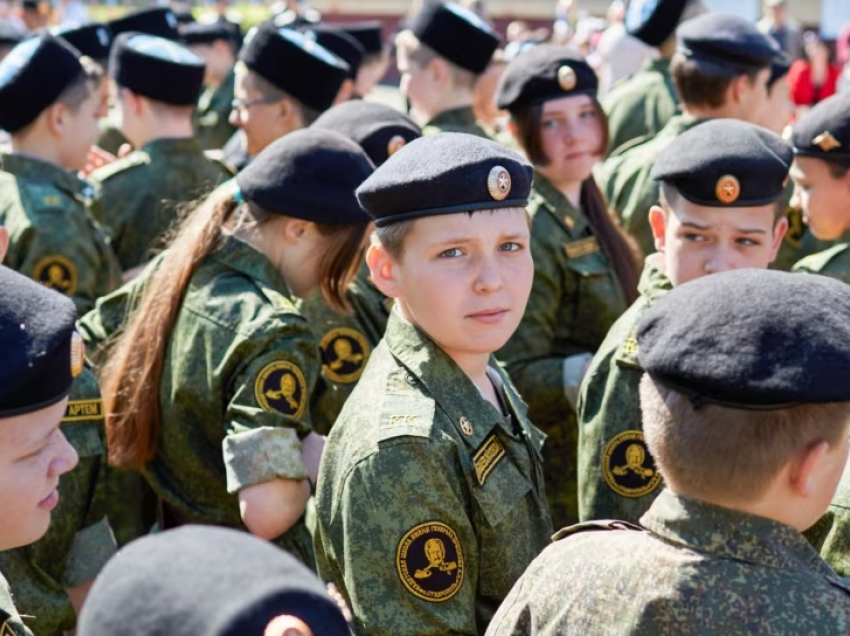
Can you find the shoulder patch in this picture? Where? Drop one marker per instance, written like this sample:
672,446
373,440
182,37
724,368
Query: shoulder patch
627,354
627,466
57,273
280,386
582,247
344,354
485,459
429,561
590,526
403,415
134,159
796,227
83,410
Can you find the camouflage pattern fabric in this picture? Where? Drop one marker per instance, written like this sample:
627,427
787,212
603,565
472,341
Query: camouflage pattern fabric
212,128
430,502
833,262
697,570
10,621
460,120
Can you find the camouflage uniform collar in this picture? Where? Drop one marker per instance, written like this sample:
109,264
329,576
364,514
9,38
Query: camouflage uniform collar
38,170
653,282
169,147
463,116
451,388
679,124
731,534
660,65
547,196
246,259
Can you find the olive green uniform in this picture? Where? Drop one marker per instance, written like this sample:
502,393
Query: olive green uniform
833,262
212,125
141,193
612,482
233,410
430,501
460,120
628,187
10,621
640,106
79,541
831,534
53,238
575,298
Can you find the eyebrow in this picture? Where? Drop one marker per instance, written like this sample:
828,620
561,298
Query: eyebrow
739,230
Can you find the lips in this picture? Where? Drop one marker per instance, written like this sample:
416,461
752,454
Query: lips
51,501
489,315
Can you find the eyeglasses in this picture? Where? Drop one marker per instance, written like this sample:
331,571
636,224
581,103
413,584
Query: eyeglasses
241,106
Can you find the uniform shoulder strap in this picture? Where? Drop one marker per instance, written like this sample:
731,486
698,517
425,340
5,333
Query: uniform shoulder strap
590,526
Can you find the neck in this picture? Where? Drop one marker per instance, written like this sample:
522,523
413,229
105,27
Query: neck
570,189
163,129
40,149
707,112
667,49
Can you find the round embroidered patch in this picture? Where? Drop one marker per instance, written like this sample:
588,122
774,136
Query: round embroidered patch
567,78
57,273
395,144
499,183
281,387
728,189
627,466
429,561
344,355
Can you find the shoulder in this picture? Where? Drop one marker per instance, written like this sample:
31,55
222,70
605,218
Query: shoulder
835,258
121,168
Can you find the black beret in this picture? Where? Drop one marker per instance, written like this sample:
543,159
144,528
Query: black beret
42,352
184,18
779,68
160,22
206,33
10,34
380,130
159,69
444,174
457,34
93,40
544,72
727,43
735,339
32,76
653,21
295,64
205,581
824,131
308,174
340,44
726,163
369,34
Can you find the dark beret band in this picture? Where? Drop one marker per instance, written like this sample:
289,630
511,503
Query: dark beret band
654,21
340,44
369,34
93,40
160,22
202,33
457,34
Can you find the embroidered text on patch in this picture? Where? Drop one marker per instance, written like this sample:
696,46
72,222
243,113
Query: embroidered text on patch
486,458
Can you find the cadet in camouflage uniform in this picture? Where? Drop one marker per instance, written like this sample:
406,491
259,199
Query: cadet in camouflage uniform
440,57
48,102
38,366
230,416
214,44
284,81
584,271
712,48
749,437
821,175
726,179
431,500
640,106
51,577
346,341
159,82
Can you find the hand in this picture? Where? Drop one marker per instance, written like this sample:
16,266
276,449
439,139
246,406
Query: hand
97,158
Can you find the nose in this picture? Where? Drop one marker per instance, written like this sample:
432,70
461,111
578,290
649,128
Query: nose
489,276
66,457
721,260
234,119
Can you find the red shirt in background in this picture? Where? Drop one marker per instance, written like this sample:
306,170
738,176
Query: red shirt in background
803,91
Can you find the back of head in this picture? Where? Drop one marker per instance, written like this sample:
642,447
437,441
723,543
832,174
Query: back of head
211,581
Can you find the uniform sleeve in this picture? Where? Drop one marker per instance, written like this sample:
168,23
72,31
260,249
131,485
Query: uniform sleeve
269,413
402,546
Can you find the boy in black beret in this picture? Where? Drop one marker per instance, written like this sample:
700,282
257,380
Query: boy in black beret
430,495
284,81
214,43
41,355
721,186
746,408
50,102
159,82
440,56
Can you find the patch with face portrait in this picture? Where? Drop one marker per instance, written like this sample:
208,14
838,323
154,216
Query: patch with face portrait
627,466
344,355
429,561
280,386
57,273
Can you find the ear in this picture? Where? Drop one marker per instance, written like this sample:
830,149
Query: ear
295,229
658,224
438,71
132,101
779,231
287,626
805,469
4,242
738,88
383,270
54,116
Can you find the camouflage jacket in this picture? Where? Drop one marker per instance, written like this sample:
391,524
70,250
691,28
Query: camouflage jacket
455,120
233,410
140,195
430,502
575,298
53,238
640,106
625,180
833,262
79,541
10,621
696,570
212,125
609,418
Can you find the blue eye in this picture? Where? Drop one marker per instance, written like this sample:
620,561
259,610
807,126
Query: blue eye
510,247
453,252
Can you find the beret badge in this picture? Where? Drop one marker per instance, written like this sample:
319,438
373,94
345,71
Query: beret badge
567,78
77,355
728,189
499,183
395,144
826,141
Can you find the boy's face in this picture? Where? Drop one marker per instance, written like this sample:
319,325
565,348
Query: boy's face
33,454
417,85
463,279
824,198
697,240
82,130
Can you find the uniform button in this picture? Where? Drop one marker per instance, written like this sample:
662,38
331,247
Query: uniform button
411,379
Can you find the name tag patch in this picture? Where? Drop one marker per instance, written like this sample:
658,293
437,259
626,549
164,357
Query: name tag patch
486,458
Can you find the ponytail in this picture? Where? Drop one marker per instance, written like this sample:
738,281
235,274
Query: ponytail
344,253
